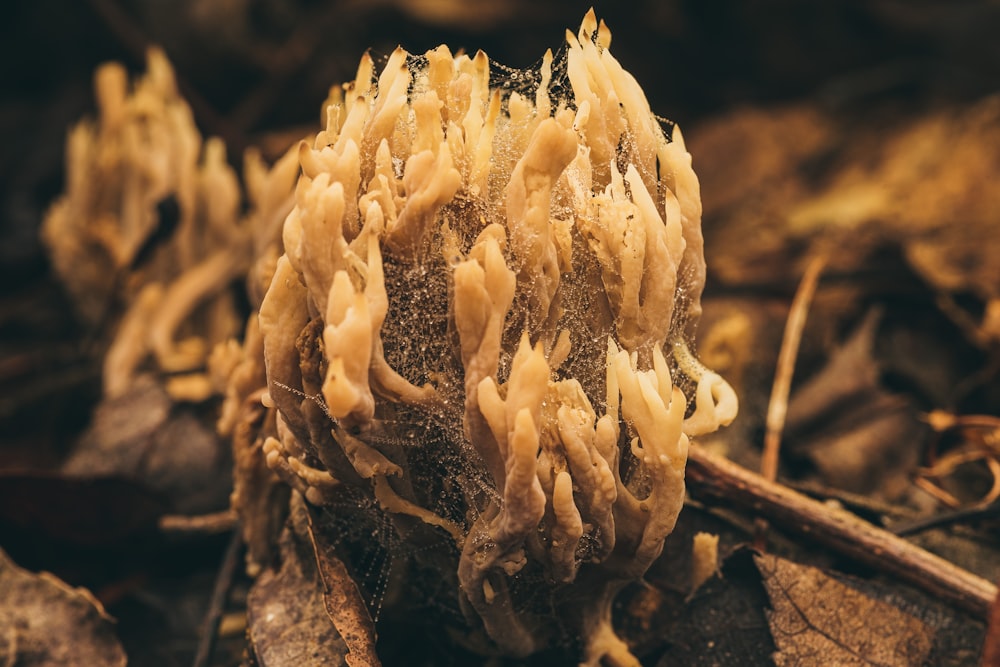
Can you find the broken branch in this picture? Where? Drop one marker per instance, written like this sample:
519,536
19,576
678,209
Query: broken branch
710,475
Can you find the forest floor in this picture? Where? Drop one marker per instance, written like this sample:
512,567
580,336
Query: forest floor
849,157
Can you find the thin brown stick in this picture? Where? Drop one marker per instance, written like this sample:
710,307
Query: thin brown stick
217,604
777,407
964,515
713,476
201,524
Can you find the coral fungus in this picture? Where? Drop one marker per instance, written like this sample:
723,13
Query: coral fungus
149,236
480,324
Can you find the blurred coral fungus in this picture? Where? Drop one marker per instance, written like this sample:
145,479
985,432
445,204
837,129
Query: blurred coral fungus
150,236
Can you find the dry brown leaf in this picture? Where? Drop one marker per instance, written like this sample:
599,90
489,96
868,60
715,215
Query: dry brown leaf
143,436
751,149
287,623
45,622
343,601
858,435
752,165
816,620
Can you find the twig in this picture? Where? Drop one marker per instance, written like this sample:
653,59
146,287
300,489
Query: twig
858,503
202,524
777,407
217,604
968,514
713,476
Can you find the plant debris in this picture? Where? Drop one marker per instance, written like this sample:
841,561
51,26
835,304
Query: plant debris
46,623
817,620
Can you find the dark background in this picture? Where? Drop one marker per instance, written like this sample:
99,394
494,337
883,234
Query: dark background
252,66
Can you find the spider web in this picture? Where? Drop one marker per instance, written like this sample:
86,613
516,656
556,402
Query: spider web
445,473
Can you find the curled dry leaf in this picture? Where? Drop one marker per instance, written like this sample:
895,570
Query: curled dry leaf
308,611
816,620
287,624
977,442
44,622
343,600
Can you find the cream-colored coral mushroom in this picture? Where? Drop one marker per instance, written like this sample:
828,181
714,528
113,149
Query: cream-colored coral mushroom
149,236
480,324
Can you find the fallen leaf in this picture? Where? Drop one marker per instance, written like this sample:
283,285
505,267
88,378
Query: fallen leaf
817,620
343,601
44,622
958,636
859,436
120,431
287,622
743,152
949,226
924,185
144,436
